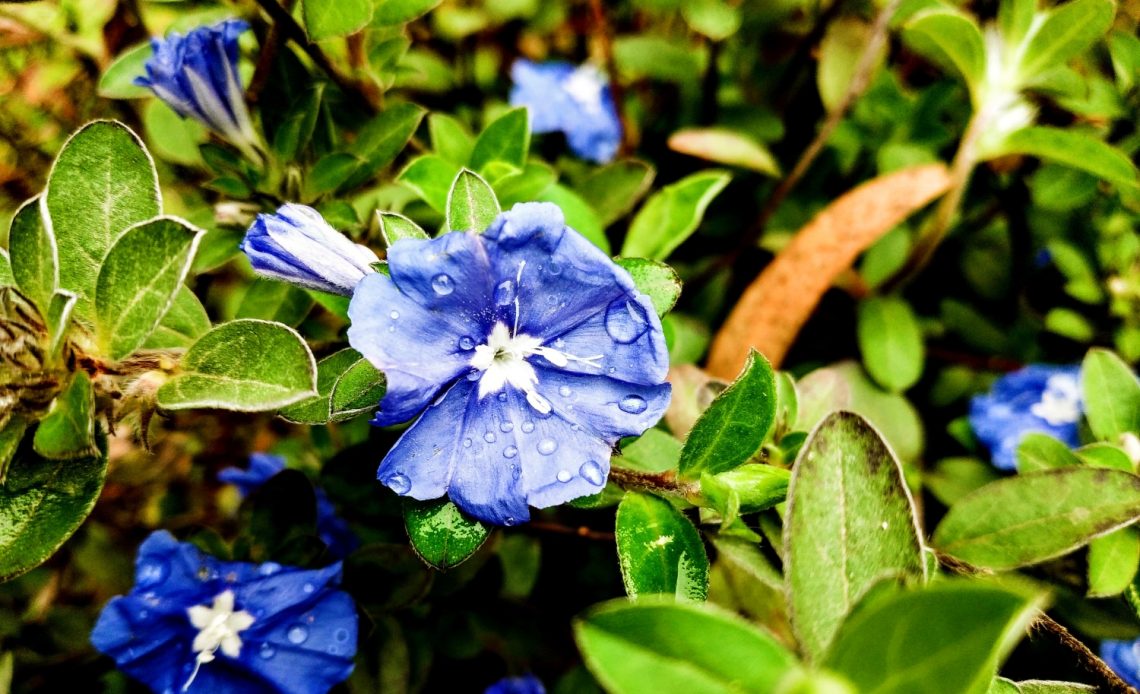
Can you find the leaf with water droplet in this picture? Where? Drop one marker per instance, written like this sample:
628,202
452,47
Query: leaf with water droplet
441,535
659,549
656,280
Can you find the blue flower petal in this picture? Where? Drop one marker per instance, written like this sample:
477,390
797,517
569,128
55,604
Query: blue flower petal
537,86
448,275
1124,659
574,100
608,409
262,467
527,684
627,335
418,355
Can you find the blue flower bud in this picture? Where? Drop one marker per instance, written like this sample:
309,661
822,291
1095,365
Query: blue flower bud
572,100
197,76
298,246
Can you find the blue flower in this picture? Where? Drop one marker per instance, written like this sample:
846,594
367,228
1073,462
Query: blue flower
198,624
527,684
572,100
1038,398
532,351
298,246
331,528
197,76
1124,659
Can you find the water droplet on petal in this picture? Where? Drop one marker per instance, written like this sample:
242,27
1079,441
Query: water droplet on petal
341,635
515,471
510,452
473,375
509,520
612,370
151,572
504,293
564,476
443,285
399,483
528,427
592,473
502,396
394,315
489,437
466,343
547,446
308,587
626,320
267,651
564,391
268,568
506,427
633,404
143,614
297,634
554,268
467,443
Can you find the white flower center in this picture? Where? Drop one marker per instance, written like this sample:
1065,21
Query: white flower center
1061,401
585,87
218,626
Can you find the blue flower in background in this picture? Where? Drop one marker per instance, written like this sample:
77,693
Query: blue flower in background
198,624
532,351
1038,398
1124,659
527,684
573,100
298,246
331,528
197,76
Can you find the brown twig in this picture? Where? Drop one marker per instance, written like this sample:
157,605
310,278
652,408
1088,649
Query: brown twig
662,482
580,531
293,31
605,42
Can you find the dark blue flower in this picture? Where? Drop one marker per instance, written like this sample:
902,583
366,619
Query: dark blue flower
573,100
1038,398
331,528
527,684
198,624
532,351
1124,659
197,76
298,246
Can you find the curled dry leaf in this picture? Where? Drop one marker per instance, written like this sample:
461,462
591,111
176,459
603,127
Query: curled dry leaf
693,392
775,306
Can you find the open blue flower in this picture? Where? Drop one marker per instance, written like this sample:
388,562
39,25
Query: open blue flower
1124,659
197,76
573,100
1038,398
331,528
298,246
532,351
194,623
527,684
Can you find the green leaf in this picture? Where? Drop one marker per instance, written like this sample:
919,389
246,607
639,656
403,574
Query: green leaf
1045,687
330,18
659,550
218,371
640,647
890,339
527,185
471,204
847,502
1066,31
1038,451
395,226
358,390
430,177
35,259
1071,148
506,140
753,488
185,321
656,280
102,182
1113,559
1104,455
41,504
1111,394
276,301
172,137
656,57
951,39
11,435
672,214
1015,17
579,215
59,317
950,637
118,80
296,128
715,19
138,281
317,409
68,430
734,426
441,535
6,277
839,54
390,12
382,139
725,147
331,171
450,139
614,189
1036,516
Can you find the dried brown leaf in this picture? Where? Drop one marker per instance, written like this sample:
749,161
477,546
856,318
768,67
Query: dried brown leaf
775,306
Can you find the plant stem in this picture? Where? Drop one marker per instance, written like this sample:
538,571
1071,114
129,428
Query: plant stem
660,482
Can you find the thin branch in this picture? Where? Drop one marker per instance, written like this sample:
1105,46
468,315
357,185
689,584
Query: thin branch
293,31
580,531
661,482
605,42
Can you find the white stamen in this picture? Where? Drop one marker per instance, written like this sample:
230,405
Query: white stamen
1061,401
218,626
585,87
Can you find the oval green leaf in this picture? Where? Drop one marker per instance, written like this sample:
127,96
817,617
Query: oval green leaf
891,342
35,259
656,280
471,203
1112,395
441,535
659,550
672,214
